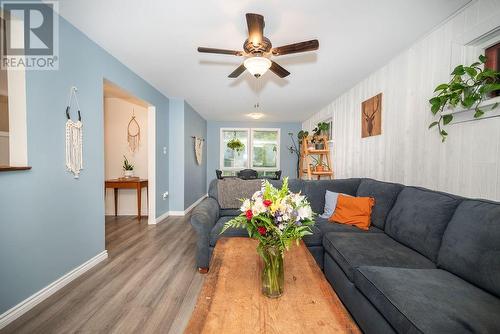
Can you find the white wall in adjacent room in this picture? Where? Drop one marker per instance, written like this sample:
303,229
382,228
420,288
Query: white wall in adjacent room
117,114
468,163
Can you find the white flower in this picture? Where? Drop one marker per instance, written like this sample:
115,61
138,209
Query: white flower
304,212
282,226
257,194
246,205
258,207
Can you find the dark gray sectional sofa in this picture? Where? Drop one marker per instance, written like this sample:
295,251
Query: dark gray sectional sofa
430,263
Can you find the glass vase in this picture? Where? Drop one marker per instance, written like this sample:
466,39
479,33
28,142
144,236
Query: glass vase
272,272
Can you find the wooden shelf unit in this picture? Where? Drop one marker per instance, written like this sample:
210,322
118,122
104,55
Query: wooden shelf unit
309,156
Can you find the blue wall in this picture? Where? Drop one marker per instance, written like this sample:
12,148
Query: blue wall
176,155
50,222
187,178
195,176
287,161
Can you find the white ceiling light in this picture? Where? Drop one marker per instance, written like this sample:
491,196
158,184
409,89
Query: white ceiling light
257,66
256,115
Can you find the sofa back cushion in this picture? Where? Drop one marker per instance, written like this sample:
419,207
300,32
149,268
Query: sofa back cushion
385,195
471,244
419,217
315,191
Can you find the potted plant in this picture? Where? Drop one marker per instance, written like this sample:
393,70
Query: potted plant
128,169
319,167
276,218
319,133
236,145
468,88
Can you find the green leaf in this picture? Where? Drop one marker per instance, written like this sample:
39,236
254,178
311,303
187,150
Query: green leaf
478,113
435,108
433,124
459,70
491,88
472,72
476,64
494,106
469,101
447,119
444,133
482,59
441,87
457,86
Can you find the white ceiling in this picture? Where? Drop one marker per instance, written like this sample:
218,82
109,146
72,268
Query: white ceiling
157,39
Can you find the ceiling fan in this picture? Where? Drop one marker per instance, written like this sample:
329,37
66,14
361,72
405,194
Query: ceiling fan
258,49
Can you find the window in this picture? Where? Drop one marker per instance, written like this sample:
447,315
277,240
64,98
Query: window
13,130
261,150
234,159
265,149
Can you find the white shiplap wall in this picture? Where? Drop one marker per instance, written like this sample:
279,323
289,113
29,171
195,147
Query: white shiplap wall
407,152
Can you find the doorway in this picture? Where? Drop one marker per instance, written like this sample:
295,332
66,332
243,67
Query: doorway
129,159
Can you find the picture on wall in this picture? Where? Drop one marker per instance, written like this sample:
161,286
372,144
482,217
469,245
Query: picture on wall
371,117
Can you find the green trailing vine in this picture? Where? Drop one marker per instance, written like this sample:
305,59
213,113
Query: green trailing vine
469,87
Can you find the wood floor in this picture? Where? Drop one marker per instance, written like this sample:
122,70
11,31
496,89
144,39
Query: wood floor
149,284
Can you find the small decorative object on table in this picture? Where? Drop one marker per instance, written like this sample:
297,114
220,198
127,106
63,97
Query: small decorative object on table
128,169
276,218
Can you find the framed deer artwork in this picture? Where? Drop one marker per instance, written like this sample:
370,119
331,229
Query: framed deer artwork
371,117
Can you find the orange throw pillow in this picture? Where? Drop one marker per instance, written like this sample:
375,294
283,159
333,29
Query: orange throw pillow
353,211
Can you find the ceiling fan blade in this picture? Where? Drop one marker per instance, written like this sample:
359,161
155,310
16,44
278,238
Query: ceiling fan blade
278,70
296,48
255,23
236,73
220,51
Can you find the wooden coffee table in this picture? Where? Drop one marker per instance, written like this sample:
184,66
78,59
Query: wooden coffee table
231,301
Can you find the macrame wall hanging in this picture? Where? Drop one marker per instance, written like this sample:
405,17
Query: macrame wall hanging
198,149
74,138
133,133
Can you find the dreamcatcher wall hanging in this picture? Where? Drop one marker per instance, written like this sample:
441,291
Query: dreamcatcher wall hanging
74,137
198,149
133,133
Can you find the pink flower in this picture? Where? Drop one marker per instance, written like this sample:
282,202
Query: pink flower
267,202
249,214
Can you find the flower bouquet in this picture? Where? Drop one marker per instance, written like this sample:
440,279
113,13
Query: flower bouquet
276,218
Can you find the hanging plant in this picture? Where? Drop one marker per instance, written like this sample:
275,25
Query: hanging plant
469,87
236,145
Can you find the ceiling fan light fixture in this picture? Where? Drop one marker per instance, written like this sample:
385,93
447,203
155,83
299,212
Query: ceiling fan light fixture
257,66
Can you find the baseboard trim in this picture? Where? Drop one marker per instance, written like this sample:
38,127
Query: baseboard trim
18,310
161,218
191,207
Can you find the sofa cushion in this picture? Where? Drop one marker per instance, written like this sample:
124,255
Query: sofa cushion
315,191
428,300
316,239
471,244
325,226
419,217
385,195
351,250
230,232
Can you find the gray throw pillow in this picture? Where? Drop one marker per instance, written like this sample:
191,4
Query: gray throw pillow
330,204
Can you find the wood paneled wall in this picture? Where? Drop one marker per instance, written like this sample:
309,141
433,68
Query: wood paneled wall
467,164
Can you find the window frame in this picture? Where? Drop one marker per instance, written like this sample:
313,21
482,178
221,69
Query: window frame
249,149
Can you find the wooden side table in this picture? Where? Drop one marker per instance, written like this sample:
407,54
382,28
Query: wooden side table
128,183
